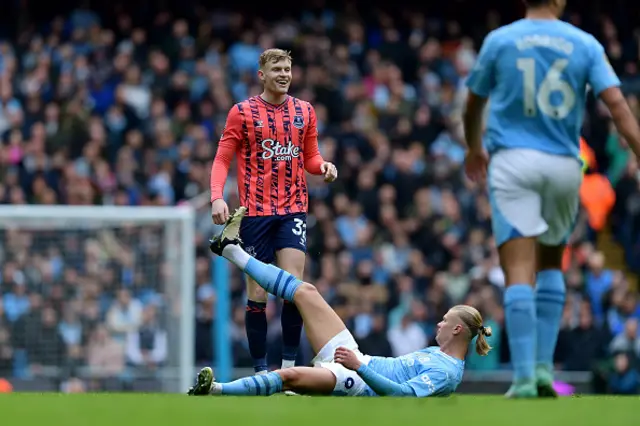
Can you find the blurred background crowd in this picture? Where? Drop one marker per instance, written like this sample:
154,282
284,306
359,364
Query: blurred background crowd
112,105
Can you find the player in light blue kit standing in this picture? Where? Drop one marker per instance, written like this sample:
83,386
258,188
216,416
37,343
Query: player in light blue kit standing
339,367
536,73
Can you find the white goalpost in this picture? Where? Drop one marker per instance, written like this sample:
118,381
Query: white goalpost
101,295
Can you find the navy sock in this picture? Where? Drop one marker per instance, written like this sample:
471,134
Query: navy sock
550,297
291,321
255,318
520,315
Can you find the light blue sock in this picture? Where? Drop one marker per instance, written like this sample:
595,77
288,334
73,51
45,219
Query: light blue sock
520,313
550,297
264,385
274,280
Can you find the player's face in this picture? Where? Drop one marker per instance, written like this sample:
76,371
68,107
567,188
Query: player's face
448,328
276,76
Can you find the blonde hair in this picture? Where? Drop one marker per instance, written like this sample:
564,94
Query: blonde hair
472,320
273,56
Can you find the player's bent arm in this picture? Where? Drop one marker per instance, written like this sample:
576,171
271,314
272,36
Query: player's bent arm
622,116
383,386
312,158
473,121
480,82
229,141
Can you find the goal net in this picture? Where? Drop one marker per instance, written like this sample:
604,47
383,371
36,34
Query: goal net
97,298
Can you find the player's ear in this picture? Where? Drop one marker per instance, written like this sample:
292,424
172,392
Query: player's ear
559,4
261,75
457,329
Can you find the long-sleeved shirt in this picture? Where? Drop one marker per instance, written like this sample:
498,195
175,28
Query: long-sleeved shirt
427,372
274,145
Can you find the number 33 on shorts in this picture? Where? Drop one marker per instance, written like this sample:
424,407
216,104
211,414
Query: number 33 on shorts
300,229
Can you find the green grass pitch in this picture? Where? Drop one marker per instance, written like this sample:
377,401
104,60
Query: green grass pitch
177,410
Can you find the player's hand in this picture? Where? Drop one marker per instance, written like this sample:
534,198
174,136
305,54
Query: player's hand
476,164
347,358
330,171
219,211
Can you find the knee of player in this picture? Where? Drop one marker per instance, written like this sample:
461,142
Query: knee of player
290,376
257,294
306,290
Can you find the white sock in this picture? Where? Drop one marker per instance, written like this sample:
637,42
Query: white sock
236,255
287,363
216,389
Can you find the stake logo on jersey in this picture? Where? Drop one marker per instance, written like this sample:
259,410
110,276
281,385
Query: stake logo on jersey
275,145
274,150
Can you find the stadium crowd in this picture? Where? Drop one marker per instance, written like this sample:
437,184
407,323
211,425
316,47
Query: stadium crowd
112,112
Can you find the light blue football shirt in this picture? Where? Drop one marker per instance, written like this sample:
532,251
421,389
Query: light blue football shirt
429,372
536,74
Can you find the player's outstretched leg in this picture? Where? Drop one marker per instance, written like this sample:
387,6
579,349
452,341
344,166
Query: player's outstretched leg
550,299
321,322
305,380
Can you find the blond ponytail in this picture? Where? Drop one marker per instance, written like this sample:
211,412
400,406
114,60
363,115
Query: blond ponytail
472,320
482,346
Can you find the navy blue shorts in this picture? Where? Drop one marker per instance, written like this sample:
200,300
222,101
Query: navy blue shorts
263,236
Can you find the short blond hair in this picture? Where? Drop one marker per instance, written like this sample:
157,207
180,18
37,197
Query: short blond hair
472,320
273,56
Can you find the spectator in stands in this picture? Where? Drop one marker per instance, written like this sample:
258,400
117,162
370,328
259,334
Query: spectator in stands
16,303
6,352
628,342
598,198
376,342
70,327
624,380
581,347
105,355
44,345
125,315
625,306
147,347
406,337
73,385
598,282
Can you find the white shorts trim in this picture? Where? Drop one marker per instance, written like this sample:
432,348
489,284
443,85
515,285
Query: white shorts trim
348,383
533,194
344,338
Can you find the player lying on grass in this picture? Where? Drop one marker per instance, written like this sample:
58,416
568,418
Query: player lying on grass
339,367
